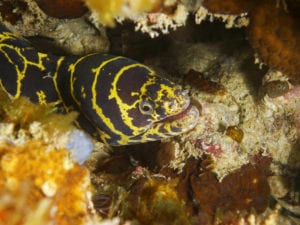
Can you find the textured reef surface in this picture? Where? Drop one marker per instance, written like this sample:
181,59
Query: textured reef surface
240,62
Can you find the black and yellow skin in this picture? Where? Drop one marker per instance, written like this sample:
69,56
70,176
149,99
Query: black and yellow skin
120,101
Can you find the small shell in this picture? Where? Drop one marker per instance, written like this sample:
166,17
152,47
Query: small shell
276,88
235,133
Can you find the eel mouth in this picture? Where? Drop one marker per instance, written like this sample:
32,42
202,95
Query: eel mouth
190,111
171,126
183,121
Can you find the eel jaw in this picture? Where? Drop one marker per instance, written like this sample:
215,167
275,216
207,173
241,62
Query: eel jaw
172,126
185,120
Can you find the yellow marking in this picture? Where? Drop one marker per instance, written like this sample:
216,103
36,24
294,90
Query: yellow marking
55,76
8,36
22,73
83,93
42,97
25,62
123,107
72,70
4,89
96,107
134,93
168,93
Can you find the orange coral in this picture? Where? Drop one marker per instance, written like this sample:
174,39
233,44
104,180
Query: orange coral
42,179
275,36
273,32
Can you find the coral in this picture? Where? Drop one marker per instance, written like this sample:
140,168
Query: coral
155,201
21,121
22,113
53,188
207,145
154,23
36,169
150,17
273,33
107,11
62,8
233,126
244,189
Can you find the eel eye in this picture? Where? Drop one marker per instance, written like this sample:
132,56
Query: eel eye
146,108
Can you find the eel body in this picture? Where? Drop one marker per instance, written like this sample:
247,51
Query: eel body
119,100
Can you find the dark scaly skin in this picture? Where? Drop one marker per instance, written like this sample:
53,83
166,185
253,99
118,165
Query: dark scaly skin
120,101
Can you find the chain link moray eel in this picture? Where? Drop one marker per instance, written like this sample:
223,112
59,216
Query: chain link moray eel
119,100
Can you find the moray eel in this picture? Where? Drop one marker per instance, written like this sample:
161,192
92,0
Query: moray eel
119,100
